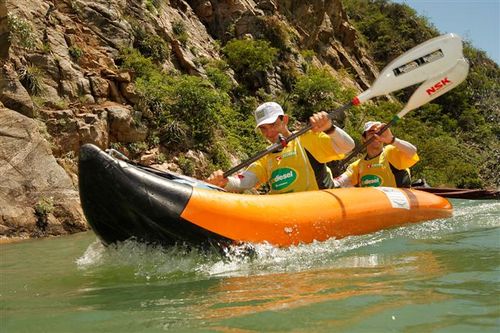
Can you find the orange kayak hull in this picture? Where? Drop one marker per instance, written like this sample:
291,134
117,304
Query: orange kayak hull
291,219
122,200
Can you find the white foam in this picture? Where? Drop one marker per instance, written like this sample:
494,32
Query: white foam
154,262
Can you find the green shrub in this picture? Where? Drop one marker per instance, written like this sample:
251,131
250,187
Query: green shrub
187,165
174,133
248,57
445,162
137,148
43,208
154,5
150,45
75,52
21,32
389,28
61,104
161,158
194,102
154,94
183,106
180,31
289,75
308,55
46,48
134,61
316,91
31,77
75,7
275,31
219,157
240,133
216,73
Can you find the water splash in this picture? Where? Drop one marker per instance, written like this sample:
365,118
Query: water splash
154,262
144,260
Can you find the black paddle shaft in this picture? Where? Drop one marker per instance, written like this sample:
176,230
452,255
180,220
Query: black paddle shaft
283,142
360,148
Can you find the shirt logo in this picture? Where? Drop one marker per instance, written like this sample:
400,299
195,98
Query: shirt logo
289,154
374,165
371,181
282,178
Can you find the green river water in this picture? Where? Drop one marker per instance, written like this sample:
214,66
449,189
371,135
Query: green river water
438,276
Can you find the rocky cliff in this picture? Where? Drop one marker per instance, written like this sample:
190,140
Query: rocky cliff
61,84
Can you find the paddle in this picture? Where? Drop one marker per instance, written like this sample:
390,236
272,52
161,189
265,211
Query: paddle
414,66
462,193
429,90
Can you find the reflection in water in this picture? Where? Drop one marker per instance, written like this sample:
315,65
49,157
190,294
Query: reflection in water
405,279
372,275
440,275
176,287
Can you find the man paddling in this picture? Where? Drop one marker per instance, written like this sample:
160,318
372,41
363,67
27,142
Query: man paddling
386,163
300,165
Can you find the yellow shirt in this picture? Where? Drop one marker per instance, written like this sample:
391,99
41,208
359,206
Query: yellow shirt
377,171
290,169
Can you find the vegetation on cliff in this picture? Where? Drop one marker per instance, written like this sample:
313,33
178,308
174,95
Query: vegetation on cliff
175,84
205,102
458,133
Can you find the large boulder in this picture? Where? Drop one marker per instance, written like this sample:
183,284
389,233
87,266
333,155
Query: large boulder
37,197
122,127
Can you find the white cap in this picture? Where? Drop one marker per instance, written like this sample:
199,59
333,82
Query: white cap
368,125
267,113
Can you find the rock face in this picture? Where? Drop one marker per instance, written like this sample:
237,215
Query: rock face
73,44
320,25
37,197
13,94
59,64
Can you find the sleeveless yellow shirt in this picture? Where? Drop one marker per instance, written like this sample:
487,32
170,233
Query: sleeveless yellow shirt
377,171
290,170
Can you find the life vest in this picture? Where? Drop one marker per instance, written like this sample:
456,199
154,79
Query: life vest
390,168
300,166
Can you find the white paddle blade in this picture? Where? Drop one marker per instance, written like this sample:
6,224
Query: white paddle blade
437,86
417,65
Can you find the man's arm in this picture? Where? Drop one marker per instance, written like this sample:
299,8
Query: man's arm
239,183
349,178
389,139
344,180
341,141
405,147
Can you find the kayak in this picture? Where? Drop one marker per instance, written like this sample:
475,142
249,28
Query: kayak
462,193
122,200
